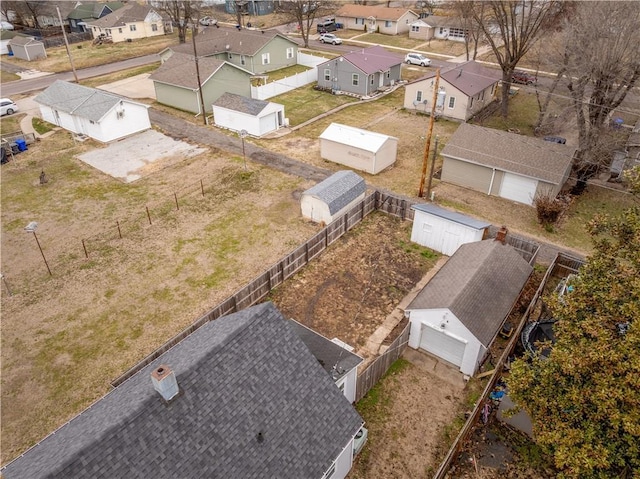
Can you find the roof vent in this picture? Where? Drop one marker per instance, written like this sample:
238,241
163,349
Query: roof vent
165,382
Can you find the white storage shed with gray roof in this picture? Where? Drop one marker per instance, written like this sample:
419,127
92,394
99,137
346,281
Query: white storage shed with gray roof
97,114
333,197
443,230
256,117
358,149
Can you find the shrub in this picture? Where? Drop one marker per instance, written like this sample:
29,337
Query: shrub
548,209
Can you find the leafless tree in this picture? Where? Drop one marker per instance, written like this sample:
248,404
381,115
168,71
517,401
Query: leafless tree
182,13
473,33
512,28
599,64
28,11
304,12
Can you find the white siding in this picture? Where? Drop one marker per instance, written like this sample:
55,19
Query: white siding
441,234
518,188
349,381
344,462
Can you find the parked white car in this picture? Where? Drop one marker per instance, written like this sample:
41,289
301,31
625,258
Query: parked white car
6,26
7,107
330,38
417,59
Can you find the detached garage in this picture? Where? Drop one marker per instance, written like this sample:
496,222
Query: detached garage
358,149
459,313
443,230
256,117
333,197
512,166
27,48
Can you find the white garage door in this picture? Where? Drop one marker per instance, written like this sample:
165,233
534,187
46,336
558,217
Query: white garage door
442,345
518,188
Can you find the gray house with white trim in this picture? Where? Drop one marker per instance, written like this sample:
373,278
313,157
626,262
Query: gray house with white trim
512,166
333,197
240,397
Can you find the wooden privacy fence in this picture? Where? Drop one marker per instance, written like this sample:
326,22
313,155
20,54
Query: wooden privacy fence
374,372
561,262
262,285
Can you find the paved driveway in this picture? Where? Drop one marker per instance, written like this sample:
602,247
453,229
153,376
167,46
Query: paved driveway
138,86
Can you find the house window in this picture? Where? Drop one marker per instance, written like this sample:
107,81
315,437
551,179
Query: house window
388,74
415,28
388,23
471,102
452,101
371,79
482,95
132,28
327,74
427,228
457,32
355,79
243,60
108,31
119,30
289,52
154,27
266,59
95,29
359,21
419,96
441,30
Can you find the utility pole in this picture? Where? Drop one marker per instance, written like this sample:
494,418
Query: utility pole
427,146
195,55
433,166
66,44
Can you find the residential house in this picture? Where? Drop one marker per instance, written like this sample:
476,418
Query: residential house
464,89
131,22
86,12
333,197
440,28
48,13
27,48
91,112
362,73
240,397
390,21
250,7
254,50
512,166
256,117
358,149
176,82
461,310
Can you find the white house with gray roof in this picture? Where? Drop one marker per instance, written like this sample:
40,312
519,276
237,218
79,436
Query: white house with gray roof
240,397
359,149
256,117
130,22
333,197
461,310
443,230
512,166
95,113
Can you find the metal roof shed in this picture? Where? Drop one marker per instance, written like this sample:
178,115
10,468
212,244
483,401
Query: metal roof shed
358,149
333,197
443,230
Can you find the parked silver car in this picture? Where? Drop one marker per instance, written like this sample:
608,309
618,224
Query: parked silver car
417,59
330,38
7,107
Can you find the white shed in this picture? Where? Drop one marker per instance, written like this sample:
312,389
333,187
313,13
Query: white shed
333,197
358,149
97,114
461,310
443,230
257,117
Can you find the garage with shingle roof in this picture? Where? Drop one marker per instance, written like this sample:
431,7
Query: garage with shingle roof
256,117
513,166
333,197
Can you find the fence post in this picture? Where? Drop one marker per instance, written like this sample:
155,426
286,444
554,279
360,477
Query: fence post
177,205
202,187
85,249
119,232
148,214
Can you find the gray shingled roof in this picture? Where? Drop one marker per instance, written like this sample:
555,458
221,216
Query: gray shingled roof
24,41
365,11
240,375
216,40
524,155
373,59
79,100
479,284
180,70
451,215
130,13
338,190
241,103
469,77
335,359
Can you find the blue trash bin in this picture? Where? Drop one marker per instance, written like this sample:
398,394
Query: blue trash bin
22,145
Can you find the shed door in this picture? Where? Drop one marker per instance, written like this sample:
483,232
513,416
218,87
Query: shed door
518,188
442,345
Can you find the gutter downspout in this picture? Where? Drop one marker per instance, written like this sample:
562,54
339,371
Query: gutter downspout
493,176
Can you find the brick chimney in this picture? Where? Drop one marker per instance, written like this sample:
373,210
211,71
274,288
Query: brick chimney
165,382
501,235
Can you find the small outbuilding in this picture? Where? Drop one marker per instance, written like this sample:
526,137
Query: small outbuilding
459,313
256,117
333,197
27,48
443,230
358,149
